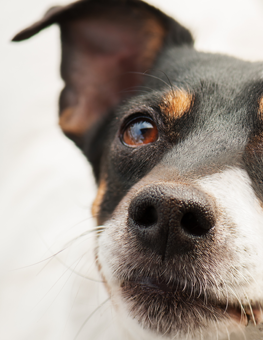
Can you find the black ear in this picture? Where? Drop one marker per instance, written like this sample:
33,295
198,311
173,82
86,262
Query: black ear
106,44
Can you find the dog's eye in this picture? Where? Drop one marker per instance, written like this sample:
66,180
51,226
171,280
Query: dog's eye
139,132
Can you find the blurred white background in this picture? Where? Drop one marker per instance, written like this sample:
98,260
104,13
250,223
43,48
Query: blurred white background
46,185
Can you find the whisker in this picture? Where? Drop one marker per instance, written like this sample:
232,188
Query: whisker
67,246
55,285
251,310
85,233
242,331
216,329
51,257
239,301
149,75
68,267
90,316
169,81
139,87
228,335
81,275
201,334
129,91
77,273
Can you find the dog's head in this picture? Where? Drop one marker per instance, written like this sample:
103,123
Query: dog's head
175,138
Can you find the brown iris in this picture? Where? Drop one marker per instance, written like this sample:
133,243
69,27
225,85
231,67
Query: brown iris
140,131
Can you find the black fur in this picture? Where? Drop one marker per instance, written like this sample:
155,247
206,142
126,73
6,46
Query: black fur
220,127
213,136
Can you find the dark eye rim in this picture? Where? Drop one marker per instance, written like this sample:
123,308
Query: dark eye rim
131,120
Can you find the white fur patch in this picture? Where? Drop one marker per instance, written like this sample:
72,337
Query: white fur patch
234,194
241,216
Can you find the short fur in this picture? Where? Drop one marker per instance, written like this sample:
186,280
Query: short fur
180,242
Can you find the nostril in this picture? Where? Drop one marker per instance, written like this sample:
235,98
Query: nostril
196,223
146,216
171,220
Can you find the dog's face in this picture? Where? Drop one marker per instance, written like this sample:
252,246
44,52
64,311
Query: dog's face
181,246
175,140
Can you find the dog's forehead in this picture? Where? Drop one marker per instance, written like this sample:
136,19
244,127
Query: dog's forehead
225,94
224,97
186,63
223,86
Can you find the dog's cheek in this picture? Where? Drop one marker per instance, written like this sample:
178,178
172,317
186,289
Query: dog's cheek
233,192
109,243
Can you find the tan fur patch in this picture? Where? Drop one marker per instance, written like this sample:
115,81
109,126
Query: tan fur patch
73,120
98,200
260,109
176,103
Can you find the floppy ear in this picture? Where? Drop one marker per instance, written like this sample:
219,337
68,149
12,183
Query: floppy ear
106,44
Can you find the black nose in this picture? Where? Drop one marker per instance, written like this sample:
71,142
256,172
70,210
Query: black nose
171,219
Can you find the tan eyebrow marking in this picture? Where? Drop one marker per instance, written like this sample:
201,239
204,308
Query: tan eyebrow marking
176,103
260,109
98,200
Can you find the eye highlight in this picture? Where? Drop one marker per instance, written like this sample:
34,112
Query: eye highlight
139,132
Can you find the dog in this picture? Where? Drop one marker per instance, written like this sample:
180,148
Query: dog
174,137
